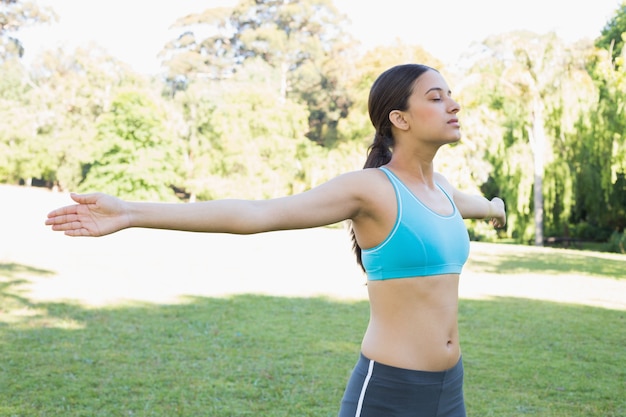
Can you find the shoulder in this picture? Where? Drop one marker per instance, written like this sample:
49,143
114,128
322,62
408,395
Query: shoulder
362,182
443,182
360,185
370,186
369,180
364,177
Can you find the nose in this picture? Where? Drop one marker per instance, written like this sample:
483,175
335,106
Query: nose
455,107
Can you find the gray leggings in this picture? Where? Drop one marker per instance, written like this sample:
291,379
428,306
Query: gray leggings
377,390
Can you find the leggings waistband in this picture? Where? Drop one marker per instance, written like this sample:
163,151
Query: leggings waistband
410,375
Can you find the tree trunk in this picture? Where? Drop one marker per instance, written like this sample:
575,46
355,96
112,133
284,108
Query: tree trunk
537,138
538,200
284,83
192,148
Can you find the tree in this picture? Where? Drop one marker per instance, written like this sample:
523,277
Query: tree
136,156
284,34
599,148
18,125
302,41
15,15
612,37
50,112
533,76
243,141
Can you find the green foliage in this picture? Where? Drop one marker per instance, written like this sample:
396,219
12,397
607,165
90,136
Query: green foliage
284,34
596,150
558,192
24,150
49,114
302,41
617,242
496,131
251,143
539,93
612,37
136,157
617,204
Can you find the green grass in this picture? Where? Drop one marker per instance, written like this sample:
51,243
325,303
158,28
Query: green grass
238,356
517,259
532,358
253,355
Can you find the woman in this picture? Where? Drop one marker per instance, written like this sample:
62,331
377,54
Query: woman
409,236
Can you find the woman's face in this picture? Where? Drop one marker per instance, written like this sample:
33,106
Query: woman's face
432,112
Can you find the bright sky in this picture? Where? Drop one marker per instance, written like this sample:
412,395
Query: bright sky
136,30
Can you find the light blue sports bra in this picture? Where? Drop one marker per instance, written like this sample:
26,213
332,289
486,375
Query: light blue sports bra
421,243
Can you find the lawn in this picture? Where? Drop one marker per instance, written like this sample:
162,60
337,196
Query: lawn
173,324
247,355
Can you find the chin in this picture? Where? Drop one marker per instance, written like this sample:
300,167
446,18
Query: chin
454,140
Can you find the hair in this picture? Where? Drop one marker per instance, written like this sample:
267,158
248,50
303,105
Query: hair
390,91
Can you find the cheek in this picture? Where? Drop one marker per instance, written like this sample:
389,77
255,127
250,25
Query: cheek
426,116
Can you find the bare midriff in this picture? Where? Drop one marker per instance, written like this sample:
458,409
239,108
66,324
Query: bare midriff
413,323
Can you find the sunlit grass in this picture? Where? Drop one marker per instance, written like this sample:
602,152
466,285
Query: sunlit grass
519,259
533,358
251,355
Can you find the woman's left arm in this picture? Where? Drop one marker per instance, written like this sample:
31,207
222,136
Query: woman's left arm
476,206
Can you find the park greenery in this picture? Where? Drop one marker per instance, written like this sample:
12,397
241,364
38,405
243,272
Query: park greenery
269,98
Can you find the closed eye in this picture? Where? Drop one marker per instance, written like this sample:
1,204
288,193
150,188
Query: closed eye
438,90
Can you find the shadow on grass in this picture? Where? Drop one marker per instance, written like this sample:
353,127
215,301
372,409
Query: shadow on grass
9,271
575,262
12,277
267,356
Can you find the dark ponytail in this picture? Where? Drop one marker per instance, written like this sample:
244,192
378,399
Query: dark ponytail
390,91
379,152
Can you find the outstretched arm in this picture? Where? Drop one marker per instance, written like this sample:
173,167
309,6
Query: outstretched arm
101,214
478,207
475,206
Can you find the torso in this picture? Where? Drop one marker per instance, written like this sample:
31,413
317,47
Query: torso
413,321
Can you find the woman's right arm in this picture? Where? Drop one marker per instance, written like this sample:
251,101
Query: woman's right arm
101,214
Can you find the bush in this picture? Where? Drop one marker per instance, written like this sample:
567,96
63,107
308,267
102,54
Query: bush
590,232
617,242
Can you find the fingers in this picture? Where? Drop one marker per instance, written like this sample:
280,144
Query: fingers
498,223
85,198
77,219
64,222
69,224
69,213
64,219
55,215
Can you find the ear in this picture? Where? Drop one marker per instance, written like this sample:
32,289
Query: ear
396,117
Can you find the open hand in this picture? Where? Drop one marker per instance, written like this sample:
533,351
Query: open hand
95,215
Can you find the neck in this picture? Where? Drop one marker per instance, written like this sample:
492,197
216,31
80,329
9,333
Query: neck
416,163
414,170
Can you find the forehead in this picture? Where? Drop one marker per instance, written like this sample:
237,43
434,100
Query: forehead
430,80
